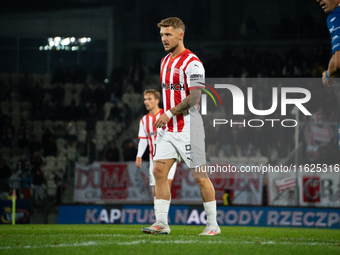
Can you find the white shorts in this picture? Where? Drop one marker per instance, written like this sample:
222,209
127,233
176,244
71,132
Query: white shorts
170,175
183,146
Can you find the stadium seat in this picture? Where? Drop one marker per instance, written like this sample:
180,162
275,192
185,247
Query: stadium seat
50,161
26,115
48,124
16,120
233,160
38,134
111,129
77,99
262,160
37,125
59,123
68,87
109,125
51,188
61,146
46,78
5,79
37,78
100,143
8,160
14,161
83,161
223,159
5,152
15,79
81,125
107,109
6,107
26,106
68,99
48,170
71,153
14,97
100,126
213,159
82,135
16,106
243,160
101,135
78,88
61,162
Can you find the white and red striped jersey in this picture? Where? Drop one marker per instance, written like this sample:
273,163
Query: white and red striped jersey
178,76
147,130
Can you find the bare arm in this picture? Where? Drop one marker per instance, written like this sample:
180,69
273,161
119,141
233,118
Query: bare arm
187,103
183,106
333,70
334,65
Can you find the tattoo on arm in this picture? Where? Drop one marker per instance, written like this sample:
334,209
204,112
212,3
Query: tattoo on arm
188,102
161,162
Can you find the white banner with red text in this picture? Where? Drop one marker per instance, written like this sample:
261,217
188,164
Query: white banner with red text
307,187
114,182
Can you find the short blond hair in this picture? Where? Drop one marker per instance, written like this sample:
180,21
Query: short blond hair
156,93
172,22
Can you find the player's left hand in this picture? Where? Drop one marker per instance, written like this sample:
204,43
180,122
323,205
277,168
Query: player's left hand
328,83
162,121
138,162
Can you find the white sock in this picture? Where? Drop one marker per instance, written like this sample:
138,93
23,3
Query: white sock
162,210
210,211
154,207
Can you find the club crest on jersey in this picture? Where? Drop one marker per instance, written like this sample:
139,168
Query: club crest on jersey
176,70
173,86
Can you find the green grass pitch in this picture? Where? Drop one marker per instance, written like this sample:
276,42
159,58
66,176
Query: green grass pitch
128,239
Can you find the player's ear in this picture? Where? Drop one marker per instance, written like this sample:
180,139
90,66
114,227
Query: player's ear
181,35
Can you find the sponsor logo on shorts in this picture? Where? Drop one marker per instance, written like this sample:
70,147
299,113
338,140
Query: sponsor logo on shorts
191,159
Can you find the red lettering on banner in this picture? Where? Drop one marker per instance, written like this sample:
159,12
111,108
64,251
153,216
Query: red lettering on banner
79,180
311,189
114,181
177,184
92,178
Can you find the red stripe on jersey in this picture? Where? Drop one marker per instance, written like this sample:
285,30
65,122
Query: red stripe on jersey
167,69
148,121
178,96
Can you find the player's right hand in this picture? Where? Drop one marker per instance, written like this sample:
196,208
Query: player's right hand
162,121
328,83
139,162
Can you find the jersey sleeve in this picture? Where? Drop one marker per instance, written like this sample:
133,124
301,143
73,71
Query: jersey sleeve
195,74
143,143
333,23
141,132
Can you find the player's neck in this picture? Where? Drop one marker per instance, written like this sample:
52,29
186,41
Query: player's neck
154,111
177,51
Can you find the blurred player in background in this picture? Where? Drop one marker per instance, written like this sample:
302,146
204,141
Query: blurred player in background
182,137
148,132
332,8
